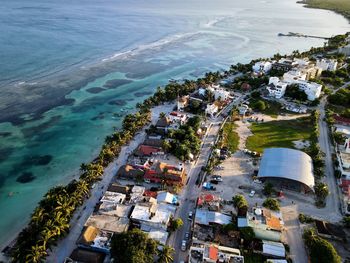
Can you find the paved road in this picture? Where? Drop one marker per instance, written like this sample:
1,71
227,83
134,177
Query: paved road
333,205
293,234
191,192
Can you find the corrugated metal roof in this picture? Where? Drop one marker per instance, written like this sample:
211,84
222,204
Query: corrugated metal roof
273,249
287,163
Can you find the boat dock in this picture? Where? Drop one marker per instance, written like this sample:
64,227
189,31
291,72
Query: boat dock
292,34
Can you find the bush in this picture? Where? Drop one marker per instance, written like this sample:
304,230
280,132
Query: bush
240,203
247,233
272,204
175,224
305,219
268,189
320,250
346,221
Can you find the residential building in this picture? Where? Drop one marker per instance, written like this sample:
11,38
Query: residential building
312,89
243,108
266,224
150,215
202,252
130,172
146,150
262,67
329,230
273,249
82,255
182,102
311,72
343,152
94,239
211,109
219,93
276,88
177,117
284,64
327,64
294,75
206,217
161,172
113,198
108,223
167,198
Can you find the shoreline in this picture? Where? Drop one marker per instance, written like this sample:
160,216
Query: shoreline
308,4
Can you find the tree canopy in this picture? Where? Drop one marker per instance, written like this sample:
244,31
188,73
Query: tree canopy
320,250
133,247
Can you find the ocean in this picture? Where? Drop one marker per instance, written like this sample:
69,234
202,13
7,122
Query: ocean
70,70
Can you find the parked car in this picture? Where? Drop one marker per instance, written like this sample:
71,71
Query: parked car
214,181
257,181
183,245
187,235
252,193
190,215
217,178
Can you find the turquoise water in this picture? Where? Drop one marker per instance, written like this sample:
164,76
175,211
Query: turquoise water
58,59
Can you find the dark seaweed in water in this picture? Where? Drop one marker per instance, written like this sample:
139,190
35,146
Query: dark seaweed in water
95,90
117,102
37,160
5,134
5,153
25,177
141,94
115,83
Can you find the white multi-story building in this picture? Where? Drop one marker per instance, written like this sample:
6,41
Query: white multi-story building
312,89
327,64
276,88
262,67
211,109
219,93
294,75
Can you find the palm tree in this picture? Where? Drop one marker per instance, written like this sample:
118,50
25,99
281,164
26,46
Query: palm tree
166,254
36,254
38,215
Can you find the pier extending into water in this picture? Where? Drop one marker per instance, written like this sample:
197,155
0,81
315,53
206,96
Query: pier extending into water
292,34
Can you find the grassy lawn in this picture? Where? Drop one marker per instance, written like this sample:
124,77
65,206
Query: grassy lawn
279,133
230,137
340,6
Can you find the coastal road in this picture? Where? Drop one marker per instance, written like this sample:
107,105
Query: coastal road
66,246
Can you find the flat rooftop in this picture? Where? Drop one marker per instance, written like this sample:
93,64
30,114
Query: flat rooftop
108,223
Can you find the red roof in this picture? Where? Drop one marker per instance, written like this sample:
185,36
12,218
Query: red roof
150,193
341,119
148,150
213,253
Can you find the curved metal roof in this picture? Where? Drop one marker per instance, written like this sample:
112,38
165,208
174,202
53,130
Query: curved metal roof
287,163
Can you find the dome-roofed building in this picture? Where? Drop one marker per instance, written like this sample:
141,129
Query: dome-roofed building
288,169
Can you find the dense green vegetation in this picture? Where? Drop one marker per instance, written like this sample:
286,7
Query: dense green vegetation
339,6
135,247
185,141
272,204
240,203
279,133
294,92
230,138
340,98
320,250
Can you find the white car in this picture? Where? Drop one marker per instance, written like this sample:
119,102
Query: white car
257,181
183,245
252,193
